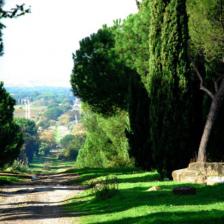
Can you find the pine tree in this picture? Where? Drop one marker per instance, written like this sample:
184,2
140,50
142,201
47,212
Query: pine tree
10,135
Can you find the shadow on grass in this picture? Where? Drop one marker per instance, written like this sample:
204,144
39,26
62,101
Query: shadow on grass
200,208
90,174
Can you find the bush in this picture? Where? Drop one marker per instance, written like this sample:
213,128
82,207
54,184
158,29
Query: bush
18,166
105,188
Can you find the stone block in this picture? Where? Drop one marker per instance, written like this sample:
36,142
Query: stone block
202,173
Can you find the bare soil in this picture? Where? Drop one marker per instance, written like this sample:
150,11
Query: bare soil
39,201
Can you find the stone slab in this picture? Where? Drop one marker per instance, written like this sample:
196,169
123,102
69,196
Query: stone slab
202,173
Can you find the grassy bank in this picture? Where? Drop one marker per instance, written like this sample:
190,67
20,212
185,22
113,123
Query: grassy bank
10,178
134,204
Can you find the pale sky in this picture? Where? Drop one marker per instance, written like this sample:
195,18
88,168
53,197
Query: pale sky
38,47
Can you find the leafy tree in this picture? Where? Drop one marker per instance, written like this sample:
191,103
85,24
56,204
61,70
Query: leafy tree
99,77
30,136
10,135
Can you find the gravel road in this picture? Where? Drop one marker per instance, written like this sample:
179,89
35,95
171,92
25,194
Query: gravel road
40,201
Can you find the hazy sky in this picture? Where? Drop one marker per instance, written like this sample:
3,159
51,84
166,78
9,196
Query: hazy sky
38,47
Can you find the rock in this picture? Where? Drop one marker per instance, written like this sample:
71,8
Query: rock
215,180
187,175
202,173
154,188
184,190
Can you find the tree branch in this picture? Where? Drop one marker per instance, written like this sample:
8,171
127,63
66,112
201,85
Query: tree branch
202,87
216,86
138,4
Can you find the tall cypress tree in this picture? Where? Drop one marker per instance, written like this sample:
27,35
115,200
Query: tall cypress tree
132,46
168,84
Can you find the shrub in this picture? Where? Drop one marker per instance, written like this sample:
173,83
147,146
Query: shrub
18,166
105,188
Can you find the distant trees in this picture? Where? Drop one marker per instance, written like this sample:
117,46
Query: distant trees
71,145
53,112
11,138
30,137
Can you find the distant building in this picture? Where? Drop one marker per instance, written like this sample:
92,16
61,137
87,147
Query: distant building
76,109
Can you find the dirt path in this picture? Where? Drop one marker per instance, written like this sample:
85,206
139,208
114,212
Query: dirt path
39,201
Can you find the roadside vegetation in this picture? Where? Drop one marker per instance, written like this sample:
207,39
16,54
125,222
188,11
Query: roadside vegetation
135,203
10,178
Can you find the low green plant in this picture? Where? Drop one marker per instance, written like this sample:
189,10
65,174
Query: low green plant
18,166
135,204
105,188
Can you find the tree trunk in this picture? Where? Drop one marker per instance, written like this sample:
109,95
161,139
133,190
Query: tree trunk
213,113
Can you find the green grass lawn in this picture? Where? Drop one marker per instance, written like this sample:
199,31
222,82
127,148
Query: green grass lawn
134,204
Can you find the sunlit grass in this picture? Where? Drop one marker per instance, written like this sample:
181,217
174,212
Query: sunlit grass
7,178
134,204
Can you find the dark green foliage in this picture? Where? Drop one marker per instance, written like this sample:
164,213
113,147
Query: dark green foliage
206,25
30,136
138,135
132,45
168,85
10,134
132,38
99,78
